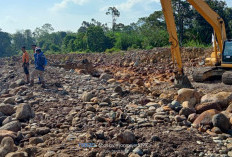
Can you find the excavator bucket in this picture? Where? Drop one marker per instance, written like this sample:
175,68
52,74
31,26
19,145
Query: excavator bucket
182,81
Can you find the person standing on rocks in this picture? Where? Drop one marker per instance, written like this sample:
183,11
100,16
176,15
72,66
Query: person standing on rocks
35,54
25,59
40,62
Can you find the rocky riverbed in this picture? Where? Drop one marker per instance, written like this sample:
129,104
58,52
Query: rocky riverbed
124,105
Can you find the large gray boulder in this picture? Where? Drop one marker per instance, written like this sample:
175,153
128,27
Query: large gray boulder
221,121
24,112
14,126
7,109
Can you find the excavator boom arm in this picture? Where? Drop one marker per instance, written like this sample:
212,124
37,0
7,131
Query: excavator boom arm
171,27
212,18
206,12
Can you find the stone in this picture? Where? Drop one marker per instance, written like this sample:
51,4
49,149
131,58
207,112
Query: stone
134,155
13,85
17,154
138,151
126,137
20,82
7,133
7,109
118,90
24,112
42,130
216,130
87,96
207,106
229,108
179,118
186,111
105,76
9,100
7,120
175,105
36,140
138,82
91,108
192,117
100,134
223,98
2,118
7,146
221,121
153,104
49,154
103,104
188,104
71,137
14,126
186,94
205,118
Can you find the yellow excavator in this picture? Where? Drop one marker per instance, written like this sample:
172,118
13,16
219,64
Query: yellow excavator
220,62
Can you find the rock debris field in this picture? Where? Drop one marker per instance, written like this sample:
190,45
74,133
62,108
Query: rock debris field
113,105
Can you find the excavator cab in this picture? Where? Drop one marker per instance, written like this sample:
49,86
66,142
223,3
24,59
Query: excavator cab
227,52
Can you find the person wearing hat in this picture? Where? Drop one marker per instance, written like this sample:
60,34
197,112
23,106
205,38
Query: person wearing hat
25,59
40,62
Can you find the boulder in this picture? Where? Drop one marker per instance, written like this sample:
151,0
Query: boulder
207,106
186,111
7,133
126,137
221,121
7,146
186,94
17,154
7,109
9,100
205,118
223,98
14,126
24,112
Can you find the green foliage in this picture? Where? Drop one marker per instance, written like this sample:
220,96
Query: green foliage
146,33
5,45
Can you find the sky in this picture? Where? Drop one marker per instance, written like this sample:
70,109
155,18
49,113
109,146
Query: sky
68,15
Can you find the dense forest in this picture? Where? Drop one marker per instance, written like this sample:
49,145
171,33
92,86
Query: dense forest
146,33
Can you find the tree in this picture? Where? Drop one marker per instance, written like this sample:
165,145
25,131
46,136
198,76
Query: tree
5,45
96,39
114,13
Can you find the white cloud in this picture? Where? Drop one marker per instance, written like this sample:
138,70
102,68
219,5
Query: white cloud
131,3
63,4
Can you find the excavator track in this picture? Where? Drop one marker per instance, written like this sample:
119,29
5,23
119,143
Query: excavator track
205,73
227,77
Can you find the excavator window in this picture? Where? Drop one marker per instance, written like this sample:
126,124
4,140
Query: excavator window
227,52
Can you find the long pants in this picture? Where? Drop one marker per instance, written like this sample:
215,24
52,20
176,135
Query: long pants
37,73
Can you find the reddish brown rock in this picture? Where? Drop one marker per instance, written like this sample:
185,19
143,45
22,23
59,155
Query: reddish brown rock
207,106
205,118
223,98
